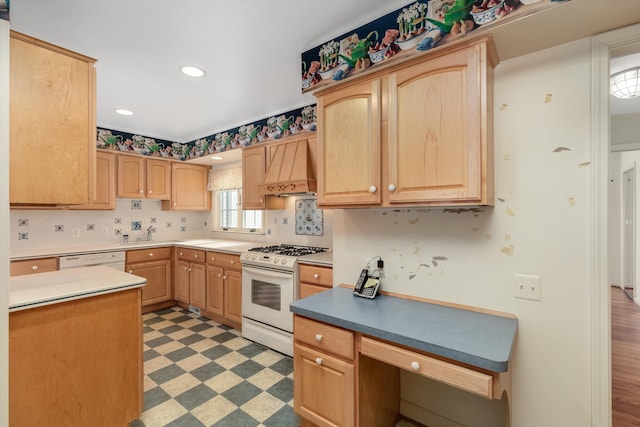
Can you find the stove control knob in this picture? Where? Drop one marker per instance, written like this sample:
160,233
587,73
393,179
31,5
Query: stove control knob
254,256
276,260
284,261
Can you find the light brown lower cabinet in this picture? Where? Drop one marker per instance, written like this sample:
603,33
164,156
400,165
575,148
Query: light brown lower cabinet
314,279
32,266
154,264
190,277
224,289
77,363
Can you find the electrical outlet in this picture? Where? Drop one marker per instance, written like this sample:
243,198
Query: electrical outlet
526,286
76,232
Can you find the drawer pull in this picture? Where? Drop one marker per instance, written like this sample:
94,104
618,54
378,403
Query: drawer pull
150,253
213,258
318,360
181,253
224,277
316,276
415,366
34,268
232,262
195,255
372,189
392,187
130,271
318,337
219,275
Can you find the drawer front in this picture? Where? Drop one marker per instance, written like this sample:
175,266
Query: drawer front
439,370
306,290
191,255
141,255
328,338
316,275
32,266
223,260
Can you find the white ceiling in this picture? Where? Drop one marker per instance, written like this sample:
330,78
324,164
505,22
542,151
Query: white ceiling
250,49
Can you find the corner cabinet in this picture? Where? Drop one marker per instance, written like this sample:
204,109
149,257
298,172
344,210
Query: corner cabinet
105,195
415,134
51,163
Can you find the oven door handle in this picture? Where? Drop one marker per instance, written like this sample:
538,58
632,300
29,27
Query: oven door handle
267,273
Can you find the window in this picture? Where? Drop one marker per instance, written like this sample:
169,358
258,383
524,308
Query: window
229,216
226,183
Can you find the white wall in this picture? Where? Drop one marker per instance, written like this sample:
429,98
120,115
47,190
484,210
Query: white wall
539,225
4,223
625,132
615,217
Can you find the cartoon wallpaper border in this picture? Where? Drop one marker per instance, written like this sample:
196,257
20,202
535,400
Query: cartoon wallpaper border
4,9
275,127
418,27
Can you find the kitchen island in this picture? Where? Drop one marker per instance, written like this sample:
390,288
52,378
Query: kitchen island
350,350
75,348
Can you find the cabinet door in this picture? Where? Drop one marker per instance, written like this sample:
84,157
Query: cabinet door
105,195
52,124
189,190
215,290
233,295
323,388
253,170
197,285
131,176
349,145
158,179
158,275
182,281
436,129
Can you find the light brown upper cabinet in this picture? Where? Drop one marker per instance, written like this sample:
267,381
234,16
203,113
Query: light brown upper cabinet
52,124
255,160
139,177
105,195
189,188
415,134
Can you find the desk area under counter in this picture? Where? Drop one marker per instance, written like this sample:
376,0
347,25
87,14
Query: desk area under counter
351,350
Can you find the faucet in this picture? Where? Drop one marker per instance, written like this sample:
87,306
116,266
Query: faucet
149,231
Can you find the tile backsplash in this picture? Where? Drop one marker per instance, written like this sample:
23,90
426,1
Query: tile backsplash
32,229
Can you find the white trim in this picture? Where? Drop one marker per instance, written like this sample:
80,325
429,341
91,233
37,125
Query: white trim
4,223
599,289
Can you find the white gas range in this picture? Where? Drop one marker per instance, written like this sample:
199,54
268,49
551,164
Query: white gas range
269,285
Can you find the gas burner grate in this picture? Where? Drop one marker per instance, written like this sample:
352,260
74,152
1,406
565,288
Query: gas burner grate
289,250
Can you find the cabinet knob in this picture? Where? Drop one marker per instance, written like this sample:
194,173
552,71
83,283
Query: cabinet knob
224,277
219,275
316,276
181,254
150,191
34,268
213,258
195,255
188,269
175,203
232,262
372,189
141,191
392,187
415,366
318,360
261,200
318,337
130,271
150,253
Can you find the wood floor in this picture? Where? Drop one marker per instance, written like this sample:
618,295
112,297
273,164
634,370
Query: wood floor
625,359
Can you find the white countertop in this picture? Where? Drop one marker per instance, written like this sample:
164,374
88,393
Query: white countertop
322,258
230,246
35,290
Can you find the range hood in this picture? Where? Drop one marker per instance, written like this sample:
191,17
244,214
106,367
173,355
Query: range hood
290,170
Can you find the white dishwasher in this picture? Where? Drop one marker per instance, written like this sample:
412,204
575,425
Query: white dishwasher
113,259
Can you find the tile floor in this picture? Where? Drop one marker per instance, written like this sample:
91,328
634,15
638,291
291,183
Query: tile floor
201,373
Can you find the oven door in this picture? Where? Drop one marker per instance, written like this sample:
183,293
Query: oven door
266,295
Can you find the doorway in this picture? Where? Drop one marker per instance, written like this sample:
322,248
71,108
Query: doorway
629,231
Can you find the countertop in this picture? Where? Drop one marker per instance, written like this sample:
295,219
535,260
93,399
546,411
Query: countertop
323,258
478,339
35,290
229,246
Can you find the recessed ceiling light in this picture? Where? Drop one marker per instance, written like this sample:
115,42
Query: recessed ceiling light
124,112
192,71
217,158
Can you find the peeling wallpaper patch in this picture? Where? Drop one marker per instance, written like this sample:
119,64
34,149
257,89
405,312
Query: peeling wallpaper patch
547,98
510,211
504,106
508,250
559,149
507,157
500,199
584,165
572,201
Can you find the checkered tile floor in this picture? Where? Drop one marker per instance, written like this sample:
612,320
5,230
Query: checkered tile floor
201,373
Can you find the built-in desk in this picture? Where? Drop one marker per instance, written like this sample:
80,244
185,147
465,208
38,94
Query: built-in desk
349,351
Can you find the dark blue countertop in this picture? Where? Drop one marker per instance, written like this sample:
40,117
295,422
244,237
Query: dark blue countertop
478,339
